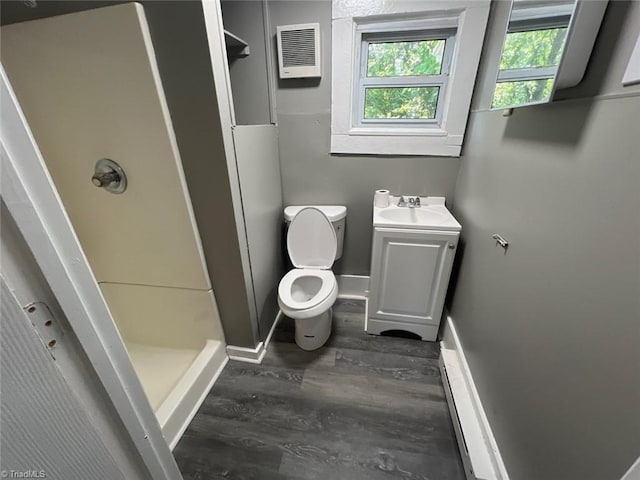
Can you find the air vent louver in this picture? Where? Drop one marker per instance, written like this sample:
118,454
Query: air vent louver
299,50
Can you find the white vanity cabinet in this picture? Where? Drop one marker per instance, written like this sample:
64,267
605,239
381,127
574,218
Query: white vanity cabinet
410,272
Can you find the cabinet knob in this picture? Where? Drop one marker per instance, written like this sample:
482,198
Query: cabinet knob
452,246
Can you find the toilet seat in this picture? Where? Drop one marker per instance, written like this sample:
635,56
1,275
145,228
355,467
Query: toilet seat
317,304
308,295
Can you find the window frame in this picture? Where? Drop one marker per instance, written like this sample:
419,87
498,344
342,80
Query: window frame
399,81
353,18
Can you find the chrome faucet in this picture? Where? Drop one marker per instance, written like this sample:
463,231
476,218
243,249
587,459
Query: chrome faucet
411,202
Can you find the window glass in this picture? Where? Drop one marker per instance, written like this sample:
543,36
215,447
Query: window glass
402,58
401,103
522,92
528,66
533,49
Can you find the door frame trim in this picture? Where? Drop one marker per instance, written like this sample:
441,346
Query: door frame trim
33,201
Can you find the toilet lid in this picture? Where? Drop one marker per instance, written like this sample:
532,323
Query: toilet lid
311,240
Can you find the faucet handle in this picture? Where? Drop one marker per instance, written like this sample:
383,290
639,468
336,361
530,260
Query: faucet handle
409,201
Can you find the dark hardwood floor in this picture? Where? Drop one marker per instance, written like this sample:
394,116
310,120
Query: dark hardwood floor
360,408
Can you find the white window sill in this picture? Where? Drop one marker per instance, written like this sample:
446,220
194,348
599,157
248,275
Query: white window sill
398,131
368,144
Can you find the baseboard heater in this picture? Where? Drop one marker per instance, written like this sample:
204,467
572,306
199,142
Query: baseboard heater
479,452
457,427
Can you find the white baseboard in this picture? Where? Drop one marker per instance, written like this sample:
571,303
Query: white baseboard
479,450
350,287
244,354
253,355
353,287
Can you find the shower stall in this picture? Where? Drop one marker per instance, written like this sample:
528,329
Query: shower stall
89,87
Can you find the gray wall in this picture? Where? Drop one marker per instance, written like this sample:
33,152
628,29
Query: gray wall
551,329
179,38
257,157
310,175
180,43
259,174
248,74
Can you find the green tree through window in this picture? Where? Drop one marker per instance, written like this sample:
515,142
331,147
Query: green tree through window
533,49
415,58
401,102
527,66
395,59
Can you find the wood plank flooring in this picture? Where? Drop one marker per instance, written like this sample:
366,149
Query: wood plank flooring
360,408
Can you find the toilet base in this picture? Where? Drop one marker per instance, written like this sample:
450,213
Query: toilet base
312,333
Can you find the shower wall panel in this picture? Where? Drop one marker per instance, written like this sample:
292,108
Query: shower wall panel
164,317
89,86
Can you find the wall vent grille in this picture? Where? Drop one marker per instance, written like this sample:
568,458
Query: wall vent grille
299,50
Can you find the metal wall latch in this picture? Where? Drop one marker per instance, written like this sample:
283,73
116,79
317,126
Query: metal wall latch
500,241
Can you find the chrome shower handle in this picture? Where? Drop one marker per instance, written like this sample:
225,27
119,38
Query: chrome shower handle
102,179
110,176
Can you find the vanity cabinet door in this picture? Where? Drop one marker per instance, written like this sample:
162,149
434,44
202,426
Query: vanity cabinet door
409,275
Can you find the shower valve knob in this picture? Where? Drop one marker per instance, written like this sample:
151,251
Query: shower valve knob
110,176
106,178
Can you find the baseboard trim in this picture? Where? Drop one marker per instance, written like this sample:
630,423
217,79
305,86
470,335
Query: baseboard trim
350,287
253,355
477,444
353,287
244,354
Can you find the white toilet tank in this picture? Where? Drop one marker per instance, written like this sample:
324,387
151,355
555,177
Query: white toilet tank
337,215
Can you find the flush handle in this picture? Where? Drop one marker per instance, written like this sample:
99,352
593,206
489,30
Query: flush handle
110,176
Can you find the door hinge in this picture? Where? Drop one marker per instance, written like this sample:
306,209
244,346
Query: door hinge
45,325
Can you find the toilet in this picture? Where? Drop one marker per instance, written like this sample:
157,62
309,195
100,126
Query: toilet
307,293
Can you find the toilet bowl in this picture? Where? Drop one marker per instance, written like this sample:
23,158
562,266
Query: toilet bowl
307,293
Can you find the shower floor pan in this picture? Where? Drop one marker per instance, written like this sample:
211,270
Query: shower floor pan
176,380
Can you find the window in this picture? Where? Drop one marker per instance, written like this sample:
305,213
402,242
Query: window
402,81
403,77
530,57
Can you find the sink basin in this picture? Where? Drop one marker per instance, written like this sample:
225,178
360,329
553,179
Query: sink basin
413,215
432,215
